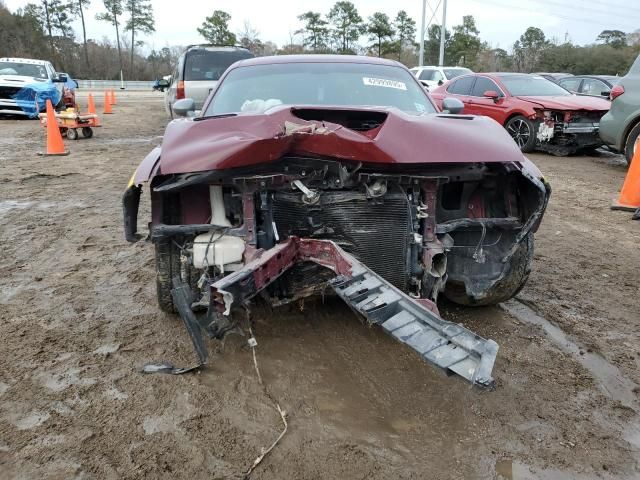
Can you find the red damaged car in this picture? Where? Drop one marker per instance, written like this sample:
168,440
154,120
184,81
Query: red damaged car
538,113
309,174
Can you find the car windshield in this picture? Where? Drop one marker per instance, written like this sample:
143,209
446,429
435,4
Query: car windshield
534,86
24,69
259,87
455,72
205,64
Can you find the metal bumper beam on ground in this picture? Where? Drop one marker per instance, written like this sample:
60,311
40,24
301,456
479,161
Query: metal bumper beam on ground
445,344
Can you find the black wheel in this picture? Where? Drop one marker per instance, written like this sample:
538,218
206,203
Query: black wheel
72,134
630,144
516,272
522,131
87,132
167,267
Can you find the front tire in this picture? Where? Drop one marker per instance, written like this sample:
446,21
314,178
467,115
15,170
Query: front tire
167,266
517,272
522,130
630,144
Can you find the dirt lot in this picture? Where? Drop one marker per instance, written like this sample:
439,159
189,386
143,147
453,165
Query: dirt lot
79,318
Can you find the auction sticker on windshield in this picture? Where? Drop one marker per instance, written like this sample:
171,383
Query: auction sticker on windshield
383,82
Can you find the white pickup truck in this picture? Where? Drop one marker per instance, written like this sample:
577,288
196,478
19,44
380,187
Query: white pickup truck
16,74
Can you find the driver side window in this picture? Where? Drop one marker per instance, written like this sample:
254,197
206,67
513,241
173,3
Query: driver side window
594,87
461,86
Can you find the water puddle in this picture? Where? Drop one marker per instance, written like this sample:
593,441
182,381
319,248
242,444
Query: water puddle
7,206
514,470
127,141
611,381
34,419
609,378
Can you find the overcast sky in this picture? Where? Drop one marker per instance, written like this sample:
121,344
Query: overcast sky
500,22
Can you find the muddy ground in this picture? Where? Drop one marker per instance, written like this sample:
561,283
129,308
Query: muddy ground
79,318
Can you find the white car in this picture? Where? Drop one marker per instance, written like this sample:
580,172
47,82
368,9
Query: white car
432,76
39,76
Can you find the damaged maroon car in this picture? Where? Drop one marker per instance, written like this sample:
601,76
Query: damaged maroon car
309,174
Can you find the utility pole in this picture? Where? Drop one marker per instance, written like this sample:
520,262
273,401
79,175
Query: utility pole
443,32
424,13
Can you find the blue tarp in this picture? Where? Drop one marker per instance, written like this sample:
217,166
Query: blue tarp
71,84
32,98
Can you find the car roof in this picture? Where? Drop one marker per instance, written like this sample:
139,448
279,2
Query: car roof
23,60
278,59
601,77
215,48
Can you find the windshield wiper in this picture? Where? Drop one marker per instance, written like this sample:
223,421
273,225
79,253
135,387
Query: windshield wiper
222,115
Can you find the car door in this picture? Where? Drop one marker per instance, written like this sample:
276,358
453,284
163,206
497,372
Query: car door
460,88
478,104
594,88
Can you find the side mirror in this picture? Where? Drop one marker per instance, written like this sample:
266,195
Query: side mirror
163,83
60,78
184,106
605,93
440,82
452,105
491,94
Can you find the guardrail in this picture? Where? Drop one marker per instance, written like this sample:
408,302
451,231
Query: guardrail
115,84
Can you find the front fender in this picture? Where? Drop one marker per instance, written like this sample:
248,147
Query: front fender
131,197
147,168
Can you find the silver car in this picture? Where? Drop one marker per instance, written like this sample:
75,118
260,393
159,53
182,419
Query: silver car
198,71
620,127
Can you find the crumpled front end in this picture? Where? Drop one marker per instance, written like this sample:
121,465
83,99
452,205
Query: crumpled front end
461,230
562,132
289,218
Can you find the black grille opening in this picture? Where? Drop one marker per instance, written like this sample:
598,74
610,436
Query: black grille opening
376,231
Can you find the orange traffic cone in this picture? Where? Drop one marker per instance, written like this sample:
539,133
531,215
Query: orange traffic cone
55,145
113,97
92,109
629,198
107,103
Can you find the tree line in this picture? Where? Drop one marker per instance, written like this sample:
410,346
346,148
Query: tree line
42,30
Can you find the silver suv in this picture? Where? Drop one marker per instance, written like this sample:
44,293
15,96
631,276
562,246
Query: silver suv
198,71
620,127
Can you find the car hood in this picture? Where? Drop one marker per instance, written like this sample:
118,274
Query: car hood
17,80
249,139
569,102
